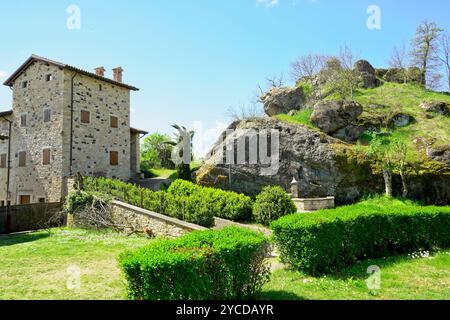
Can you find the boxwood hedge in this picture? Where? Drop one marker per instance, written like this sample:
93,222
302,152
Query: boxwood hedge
205,265
329,240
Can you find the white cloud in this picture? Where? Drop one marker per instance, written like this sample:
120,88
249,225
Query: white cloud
267,3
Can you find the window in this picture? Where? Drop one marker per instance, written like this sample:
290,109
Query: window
23,120
114,158
85,116
2,203
41,200
22,159
114,122
24,84
49,77
3,160
47,115
46,157
25,199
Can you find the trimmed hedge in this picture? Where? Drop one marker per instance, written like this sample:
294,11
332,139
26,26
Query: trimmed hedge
194,209
205,265
330,240
223,204
272,203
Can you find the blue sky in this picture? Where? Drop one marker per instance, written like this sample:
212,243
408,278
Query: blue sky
194,59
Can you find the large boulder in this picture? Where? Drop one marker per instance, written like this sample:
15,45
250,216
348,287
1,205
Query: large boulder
319,162
441,108
281,100
366,74
330,116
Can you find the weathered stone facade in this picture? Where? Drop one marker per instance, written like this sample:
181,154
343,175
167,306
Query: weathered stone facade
42,93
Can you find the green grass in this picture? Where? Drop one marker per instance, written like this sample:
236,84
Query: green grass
163,173
301,118
35,266
402,278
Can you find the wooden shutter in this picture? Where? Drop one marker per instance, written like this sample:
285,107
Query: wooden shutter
23,120
47,115
3,160
25,199
22,159
46,157
113,158
114,122
85,116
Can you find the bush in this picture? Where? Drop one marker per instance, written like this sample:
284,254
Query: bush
330,240
271,204
77,201
205,265
222,204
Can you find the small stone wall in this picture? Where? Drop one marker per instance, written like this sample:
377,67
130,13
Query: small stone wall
160,225
314,204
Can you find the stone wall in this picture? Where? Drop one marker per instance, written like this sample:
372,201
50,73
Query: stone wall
92,142
314,204
160,225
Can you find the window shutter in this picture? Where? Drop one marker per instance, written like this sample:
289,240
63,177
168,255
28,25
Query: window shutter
46,157
114,122
113,158
47,115
23,120
3,161
85,116
22,159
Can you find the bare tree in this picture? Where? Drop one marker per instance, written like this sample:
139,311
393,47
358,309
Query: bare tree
399,60
444,55
347,57
307,66
276,81
241,112
425,48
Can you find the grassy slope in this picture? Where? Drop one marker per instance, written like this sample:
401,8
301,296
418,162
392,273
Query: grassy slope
34,266
399,98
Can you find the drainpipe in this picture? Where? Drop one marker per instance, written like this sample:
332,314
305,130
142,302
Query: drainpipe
71,122
8,175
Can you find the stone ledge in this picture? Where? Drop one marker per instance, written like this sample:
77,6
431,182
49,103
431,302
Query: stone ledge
314,204
160,217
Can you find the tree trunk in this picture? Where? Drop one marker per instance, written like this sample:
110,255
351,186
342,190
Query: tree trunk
404,184
387,176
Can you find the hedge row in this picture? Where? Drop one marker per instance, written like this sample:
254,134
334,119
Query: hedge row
329,240
223,204
194,208
205,265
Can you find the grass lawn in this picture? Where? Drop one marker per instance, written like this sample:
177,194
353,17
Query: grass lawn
35,266
402,278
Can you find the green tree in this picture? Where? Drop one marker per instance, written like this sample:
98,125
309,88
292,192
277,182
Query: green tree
156,153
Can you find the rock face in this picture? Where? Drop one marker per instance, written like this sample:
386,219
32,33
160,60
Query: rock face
441,108
282,100
366,73
401,120
350,133
330,116
312,157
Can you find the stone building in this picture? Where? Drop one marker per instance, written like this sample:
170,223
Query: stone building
64,121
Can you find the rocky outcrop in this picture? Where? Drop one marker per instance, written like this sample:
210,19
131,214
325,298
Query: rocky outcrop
350,133
399,75
366,74
441,108
316,160
401,120
330,116
282,100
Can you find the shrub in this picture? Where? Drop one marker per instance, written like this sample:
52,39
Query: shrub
271,204
330,240
77,201
222,204
226,264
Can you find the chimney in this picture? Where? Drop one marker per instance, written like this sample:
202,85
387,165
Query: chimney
118,74
100,71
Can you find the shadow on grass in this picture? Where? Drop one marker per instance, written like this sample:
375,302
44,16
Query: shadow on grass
279,295
10,240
